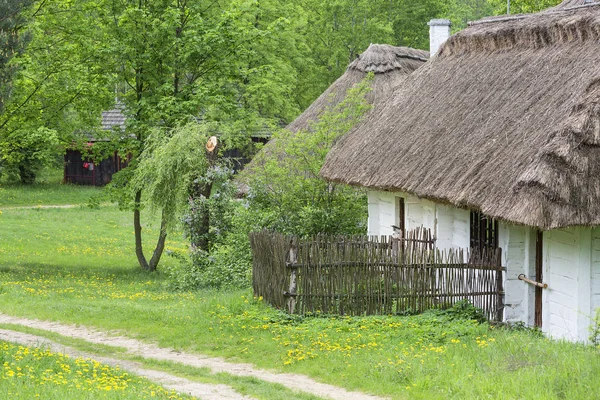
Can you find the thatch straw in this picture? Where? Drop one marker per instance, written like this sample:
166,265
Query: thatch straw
505,120
390,65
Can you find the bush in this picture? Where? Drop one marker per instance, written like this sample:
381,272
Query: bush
229,263
465,310
286,192
286,195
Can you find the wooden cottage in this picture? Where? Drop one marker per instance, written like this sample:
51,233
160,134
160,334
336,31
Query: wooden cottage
495,142
80,169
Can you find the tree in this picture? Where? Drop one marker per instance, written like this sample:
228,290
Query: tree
462,11
221,64
56,90
522,6
410,21
12,42
339,30
286,192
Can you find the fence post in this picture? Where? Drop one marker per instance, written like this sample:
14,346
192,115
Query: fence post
291,260
499,287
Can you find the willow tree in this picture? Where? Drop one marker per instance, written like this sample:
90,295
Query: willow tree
214,63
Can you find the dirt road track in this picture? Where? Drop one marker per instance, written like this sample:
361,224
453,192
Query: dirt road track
151,351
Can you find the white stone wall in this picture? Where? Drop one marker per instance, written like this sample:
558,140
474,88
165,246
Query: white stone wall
567,308
418,212
595,269
382,213
450,225
571,261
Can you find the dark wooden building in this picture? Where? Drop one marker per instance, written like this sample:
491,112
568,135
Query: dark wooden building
80,169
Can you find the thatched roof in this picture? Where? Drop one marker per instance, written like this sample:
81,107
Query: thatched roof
506,119
389,64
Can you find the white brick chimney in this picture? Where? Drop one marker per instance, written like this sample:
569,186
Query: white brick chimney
439,32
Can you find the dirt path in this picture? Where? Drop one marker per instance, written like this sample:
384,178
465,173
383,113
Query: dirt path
42,206
202,391
151,351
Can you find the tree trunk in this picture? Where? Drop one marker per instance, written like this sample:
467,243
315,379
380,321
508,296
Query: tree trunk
160,245
201,239
203,242
137,228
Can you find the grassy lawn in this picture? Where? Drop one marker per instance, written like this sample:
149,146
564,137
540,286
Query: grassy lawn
77,265
47,191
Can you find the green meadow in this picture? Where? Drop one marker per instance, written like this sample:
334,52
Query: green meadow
77,265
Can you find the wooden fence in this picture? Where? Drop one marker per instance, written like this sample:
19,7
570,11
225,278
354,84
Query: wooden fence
358,275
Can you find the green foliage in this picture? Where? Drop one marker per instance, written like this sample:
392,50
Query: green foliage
56,89
465,310
286,192
167,167
13,40
522,6
228,264
338,31
460,12
410,21
25,154
595,329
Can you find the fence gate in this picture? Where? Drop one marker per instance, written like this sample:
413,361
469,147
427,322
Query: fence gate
359,275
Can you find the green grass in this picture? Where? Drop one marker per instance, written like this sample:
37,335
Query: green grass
33,372
47,191
77,266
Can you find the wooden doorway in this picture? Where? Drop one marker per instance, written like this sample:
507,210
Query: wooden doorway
539,253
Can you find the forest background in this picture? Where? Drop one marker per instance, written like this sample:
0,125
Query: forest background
241,64
183,71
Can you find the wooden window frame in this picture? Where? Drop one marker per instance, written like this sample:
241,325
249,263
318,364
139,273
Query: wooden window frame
401,215
483,232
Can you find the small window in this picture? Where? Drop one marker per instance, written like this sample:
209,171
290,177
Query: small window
400,215
484,231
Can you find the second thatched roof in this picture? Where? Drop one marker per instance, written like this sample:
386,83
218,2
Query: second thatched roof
390,65
506,120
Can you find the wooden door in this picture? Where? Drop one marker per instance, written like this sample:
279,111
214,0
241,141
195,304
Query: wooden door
539,278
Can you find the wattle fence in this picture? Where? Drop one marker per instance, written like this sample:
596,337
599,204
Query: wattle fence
359,275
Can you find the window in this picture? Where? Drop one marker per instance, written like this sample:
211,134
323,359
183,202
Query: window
484,231
400,215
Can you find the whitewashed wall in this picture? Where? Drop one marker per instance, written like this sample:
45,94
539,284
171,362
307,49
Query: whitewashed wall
450,225
518,255
567,307
595,269
571,261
